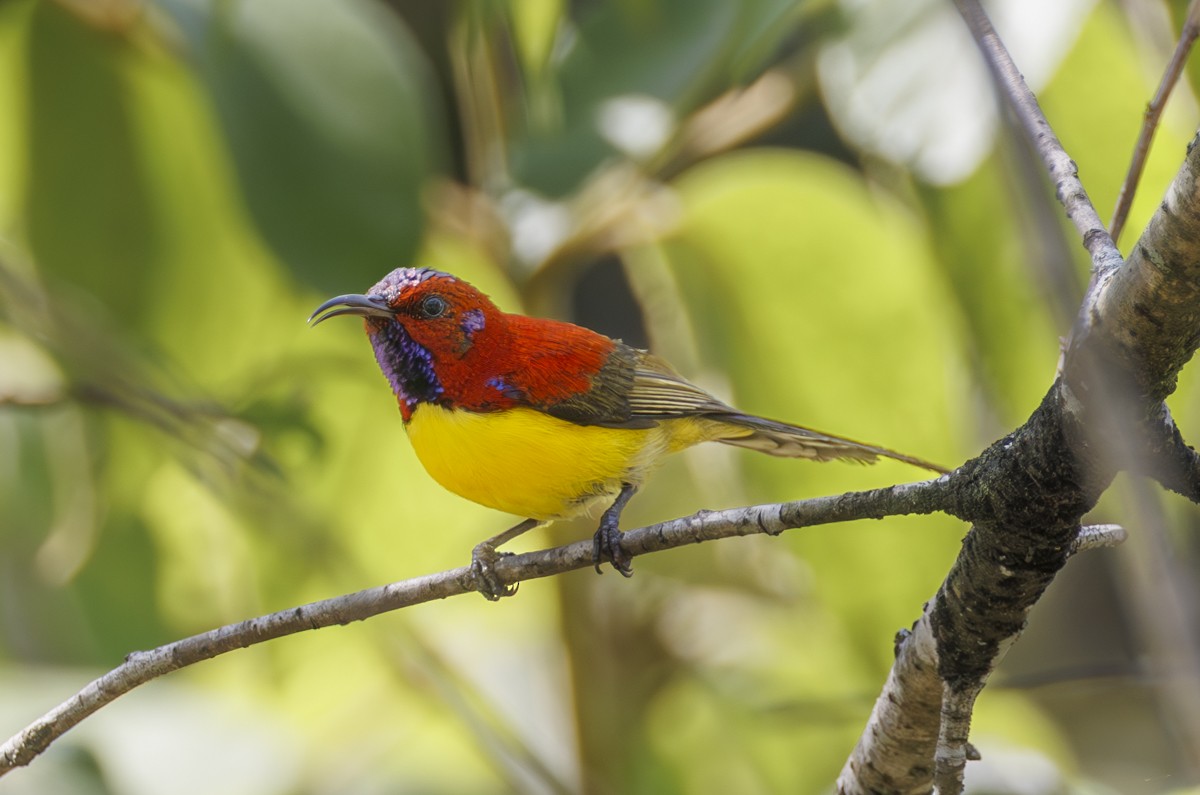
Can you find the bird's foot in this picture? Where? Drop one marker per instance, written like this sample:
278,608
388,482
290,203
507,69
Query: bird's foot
606,545
483,572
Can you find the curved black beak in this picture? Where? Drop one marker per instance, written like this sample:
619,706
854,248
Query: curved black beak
363,305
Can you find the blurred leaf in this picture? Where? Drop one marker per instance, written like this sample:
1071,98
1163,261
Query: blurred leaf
770,28
14,63
160,188
328,115
680,53
796,242
122,613
818,296
1007,327
90,219
535,25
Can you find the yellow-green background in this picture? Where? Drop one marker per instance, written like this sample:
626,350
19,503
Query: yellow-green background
182,181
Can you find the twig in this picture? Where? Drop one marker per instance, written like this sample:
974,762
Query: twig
1098,536
1062,168
43,400
140,667
1187,37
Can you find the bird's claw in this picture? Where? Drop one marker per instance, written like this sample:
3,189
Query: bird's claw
483,559
606,545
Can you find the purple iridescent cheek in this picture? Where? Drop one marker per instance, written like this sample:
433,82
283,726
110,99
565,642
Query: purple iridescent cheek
407,365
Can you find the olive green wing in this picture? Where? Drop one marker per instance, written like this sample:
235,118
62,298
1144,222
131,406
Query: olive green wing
660,393
636,389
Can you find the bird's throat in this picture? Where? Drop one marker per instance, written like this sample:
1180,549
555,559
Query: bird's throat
407,365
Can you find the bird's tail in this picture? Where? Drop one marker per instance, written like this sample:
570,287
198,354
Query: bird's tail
792,441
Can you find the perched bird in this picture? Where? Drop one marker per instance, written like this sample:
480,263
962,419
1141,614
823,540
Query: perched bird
542,418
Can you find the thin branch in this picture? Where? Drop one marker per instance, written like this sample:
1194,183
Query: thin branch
1187,37
27,400
140,667
1098,536
1062,168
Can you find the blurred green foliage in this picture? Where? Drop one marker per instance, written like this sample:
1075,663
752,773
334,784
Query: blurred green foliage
182,181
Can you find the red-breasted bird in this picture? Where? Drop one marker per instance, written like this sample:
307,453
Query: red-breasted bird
542,418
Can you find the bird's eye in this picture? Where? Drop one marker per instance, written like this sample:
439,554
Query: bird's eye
433,306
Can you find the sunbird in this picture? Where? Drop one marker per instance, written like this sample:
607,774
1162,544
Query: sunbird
542,418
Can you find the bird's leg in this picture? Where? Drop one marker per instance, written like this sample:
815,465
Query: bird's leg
484,555
607,541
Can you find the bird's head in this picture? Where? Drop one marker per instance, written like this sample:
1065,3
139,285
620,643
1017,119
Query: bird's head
420,322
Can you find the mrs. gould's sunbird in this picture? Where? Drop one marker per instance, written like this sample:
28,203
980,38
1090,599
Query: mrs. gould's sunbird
542,418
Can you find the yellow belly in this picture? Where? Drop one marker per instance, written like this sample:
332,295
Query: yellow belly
528,463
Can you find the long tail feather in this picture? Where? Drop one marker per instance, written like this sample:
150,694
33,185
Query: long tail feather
793,441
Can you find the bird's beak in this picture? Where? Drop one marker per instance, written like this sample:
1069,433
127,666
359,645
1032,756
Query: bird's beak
364,305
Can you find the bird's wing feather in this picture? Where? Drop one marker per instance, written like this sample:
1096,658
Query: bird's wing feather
637,389
607,401
660,392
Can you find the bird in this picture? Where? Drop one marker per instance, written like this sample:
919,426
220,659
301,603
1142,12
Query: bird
543,418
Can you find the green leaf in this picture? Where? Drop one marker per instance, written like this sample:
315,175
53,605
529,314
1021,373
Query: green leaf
682,53
824,303
325,107
91,220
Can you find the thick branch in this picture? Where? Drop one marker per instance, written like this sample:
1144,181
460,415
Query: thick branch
1151,307
141,667
895,753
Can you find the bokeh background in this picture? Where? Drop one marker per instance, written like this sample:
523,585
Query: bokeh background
815,209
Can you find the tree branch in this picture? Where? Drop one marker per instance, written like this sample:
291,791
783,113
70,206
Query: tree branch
1025,495
1169,459
1061,167
895,753
140,667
